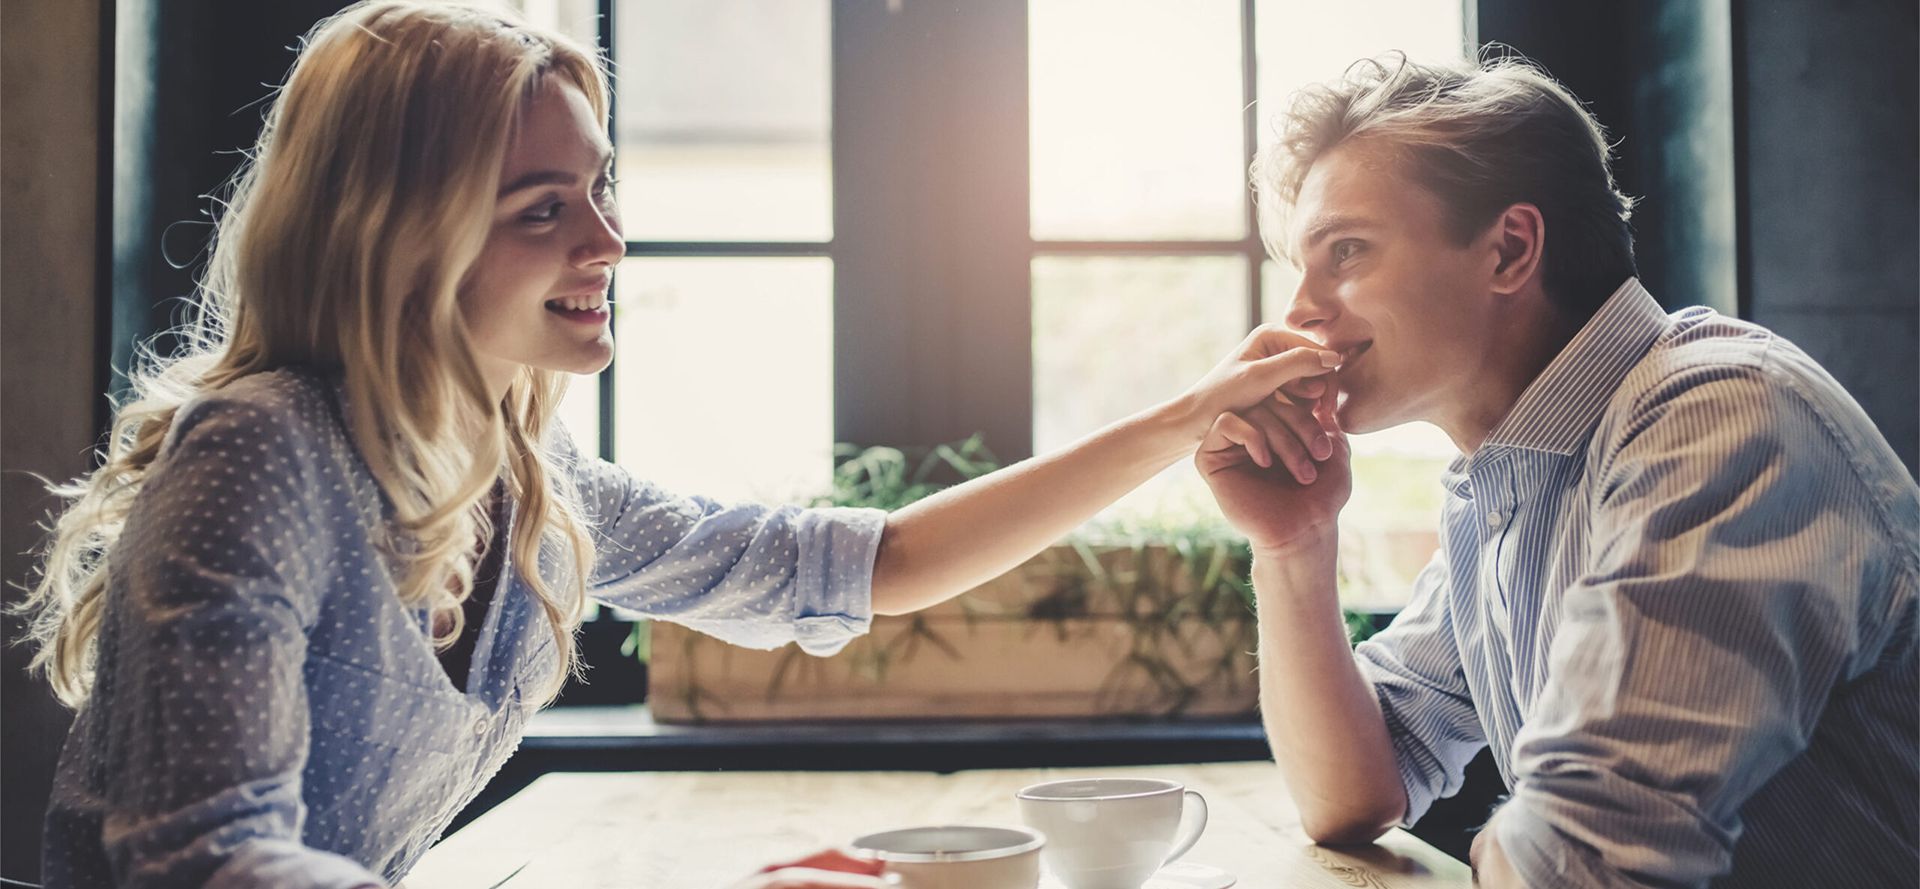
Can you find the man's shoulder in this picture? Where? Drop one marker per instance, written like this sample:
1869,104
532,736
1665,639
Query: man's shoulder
1749,372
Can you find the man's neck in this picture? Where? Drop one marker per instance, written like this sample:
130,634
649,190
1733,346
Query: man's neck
1514,357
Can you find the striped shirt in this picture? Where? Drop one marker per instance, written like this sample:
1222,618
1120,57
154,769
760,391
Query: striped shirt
1676,595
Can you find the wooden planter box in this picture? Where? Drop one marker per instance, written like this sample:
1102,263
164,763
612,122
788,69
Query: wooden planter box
1102,632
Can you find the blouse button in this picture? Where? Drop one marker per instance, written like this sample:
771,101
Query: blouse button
479,726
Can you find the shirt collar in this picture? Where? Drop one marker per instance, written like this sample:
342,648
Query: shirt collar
1558,410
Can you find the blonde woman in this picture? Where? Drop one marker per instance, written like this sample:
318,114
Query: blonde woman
338,551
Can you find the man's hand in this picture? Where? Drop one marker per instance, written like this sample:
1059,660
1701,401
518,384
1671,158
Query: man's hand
1275,496
830,869
1490,865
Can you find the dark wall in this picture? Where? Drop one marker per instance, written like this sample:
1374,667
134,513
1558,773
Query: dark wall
1831,184
51,118
1775,150
100,160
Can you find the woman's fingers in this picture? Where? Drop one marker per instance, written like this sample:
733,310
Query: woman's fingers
1306,389
1272,339
1275,371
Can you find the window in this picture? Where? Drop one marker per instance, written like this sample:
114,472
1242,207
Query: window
1147,259
905,222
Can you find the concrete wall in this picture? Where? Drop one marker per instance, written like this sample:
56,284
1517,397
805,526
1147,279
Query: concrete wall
1831,185
50,384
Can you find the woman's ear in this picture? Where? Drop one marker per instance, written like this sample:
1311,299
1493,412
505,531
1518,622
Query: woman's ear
1519,238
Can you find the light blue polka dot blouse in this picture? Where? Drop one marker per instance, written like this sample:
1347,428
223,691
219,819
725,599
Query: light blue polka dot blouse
266,713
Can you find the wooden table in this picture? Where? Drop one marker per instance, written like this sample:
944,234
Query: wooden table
706,830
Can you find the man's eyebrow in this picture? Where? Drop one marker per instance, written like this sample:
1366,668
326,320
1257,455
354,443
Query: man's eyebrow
1320,228
553,177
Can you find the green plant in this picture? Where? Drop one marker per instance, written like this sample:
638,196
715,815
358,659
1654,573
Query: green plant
889,478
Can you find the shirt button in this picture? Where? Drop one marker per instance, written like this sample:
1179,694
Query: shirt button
1494,519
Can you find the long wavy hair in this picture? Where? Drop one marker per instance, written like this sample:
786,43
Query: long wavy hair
344,243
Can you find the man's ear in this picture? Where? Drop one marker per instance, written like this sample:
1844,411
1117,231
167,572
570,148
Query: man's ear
1518,239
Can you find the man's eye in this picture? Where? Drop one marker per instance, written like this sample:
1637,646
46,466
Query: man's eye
1344,250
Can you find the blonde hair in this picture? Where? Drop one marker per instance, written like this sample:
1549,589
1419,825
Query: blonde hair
1481,137
344,243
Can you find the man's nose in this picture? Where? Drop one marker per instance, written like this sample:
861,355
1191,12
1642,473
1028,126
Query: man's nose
1305,310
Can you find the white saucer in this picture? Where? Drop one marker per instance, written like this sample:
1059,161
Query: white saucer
1178,875
1190,875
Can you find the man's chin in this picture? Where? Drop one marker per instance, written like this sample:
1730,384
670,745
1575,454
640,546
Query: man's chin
1357,417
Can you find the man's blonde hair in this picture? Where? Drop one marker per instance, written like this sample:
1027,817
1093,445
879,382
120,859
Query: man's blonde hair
1481,137
344,244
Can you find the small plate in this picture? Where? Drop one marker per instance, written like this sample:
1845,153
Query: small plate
1190,875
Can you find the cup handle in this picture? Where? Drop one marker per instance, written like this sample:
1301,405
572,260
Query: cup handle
1190,827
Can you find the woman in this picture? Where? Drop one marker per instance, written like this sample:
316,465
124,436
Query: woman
338,551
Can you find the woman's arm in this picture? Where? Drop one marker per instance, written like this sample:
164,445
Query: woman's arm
970,533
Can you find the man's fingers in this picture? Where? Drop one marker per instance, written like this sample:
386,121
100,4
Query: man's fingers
1285,443
1306,427
1231,431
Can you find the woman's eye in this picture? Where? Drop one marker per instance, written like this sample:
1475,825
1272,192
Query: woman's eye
604,187
545,214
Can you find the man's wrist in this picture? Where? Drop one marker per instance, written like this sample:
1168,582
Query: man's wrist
1317,547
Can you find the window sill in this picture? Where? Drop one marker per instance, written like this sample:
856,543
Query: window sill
629,733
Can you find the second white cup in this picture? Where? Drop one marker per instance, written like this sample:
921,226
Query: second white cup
1112,833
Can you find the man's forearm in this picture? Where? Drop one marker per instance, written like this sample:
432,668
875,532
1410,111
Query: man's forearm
1322,719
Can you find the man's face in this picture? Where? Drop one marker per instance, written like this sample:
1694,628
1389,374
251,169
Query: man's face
1383,283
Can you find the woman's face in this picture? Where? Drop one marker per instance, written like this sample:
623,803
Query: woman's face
537,297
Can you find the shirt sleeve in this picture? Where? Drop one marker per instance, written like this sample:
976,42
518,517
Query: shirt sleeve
201,683
753,575
1414,668
1731,544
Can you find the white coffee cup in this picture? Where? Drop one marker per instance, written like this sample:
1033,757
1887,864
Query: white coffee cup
958,856
1112,833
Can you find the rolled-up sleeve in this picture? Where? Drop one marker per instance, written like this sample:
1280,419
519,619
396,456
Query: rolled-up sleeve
753,575
209,717
1721,604
1414,668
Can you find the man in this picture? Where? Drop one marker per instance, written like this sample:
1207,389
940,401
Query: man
1676,586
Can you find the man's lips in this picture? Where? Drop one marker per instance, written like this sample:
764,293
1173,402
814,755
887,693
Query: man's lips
1350,351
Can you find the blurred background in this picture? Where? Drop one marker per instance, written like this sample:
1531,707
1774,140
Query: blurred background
902,223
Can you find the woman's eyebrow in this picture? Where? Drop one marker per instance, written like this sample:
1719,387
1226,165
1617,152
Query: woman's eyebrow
553,177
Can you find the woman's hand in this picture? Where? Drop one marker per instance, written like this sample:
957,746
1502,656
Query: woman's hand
831,869
964,536
1273,375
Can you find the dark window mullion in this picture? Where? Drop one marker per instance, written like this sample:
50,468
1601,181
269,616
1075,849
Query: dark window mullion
613,138
1249,146
729,248
1158,248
